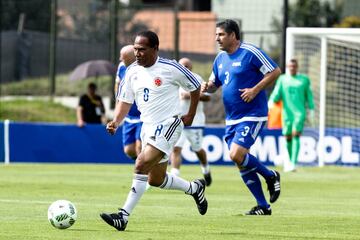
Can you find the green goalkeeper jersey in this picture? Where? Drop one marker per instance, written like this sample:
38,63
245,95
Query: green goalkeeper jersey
296,95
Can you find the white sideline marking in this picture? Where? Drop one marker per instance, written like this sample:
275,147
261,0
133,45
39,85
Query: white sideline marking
49,202
23,201
6,142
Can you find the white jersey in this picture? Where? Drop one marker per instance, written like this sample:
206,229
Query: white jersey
199,119
155,89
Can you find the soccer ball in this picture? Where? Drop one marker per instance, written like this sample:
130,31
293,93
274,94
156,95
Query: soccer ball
62,214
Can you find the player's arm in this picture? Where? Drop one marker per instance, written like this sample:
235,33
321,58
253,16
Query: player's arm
116,87
209,86
194,100
203,96
248,94
309,96
310,103
79,116
121,110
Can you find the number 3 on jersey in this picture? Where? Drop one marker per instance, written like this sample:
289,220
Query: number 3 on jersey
146,94
246,131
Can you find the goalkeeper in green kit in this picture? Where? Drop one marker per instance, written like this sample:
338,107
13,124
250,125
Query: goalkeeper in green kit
294,90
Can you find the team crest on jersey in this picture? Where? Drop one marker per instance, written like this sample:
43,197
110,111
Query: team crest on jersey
157,81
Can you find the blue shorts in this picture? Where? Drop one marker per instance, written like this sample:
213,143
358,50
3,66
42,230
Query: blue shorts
131,132
243,133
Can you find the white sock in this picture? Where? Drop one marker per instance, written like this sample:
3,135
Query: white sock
205,169
175,171
138,188
177,183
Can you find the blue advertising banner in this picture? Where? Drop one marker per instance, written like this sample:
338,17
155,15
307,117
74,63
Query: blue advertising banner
61,143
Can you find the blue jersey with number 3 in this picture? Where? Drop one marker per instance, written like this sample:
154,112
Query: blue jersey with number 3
242,69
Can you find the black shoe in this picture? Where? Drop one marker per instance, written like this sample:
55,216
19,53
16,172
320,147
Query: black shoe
116,220
199,196
208,179
257,210
273,184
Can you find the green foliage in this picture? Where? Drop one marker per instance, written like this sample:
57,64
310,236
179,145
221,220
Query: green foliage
64,87
306,13
36,111
316,203
349,22
203,69
37,14
313,13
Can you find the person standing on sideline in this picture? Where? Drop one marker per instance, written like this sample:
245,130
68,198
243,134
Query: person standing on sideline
153,83
131,127
193,134
91,108
243,71
294,90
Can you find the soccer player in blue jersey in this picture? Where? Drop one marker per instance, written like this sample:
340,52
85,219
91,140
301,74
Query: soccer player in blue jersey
243,71
132,124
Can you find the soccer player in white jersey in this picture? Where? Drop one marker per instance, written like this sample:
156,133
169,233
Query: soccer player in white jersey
243,71
153,83
193,134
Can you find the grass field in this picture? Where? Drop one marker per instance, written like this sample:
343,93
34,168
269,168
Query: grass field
314,204
36,111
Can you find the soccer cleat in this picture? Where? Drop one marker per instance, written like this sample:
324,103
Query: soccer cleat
208,179
199,196
273,184
117,220
257,210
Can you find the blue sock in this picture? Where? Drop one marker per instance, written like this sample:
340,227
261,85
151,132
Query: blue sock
252,162
252,181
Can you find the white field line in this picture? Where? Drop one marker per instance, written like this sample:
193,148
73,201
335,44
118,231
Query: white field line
48,202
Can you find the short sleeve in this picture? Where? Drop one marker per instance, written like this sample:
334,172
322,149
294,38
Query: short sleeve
120,72
260,59
185,78
82,101
125,93
214,77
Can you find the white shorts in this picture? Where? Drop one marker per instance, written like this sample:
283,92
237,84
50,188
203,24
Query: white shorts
163,135
195,137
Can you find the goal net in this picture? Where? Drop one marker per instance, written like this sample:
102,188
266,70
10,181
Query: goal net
331,58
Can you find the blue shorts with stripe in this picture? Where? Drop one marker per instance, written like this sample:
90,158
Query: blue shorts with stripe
131,132
243,133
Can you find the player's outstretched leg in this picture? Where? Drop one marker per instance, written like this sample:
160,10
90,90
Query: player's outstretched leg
258,210
116,220
208,179
199,195
273,184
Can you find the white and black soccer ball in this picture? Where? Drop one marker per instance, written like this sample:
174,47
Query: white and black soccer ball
62,214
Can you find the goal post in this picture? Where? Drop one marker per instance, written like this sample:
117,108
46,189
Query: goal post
331,58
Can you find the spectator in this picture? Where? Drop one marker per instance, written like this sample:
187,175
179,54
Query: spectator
91,108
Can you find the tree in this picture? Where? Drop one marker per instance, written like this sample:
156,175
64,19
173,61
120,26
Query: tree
37,14
311,13
306,13
349,22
